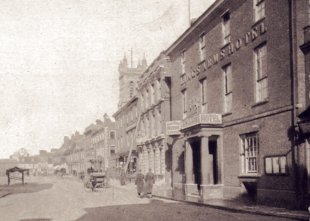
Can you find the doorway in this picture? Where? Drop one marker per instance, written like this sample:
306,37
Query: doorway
196,147
213,159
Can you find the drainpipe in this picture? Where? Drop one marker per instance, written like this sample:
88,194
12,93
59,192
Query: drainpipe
293,70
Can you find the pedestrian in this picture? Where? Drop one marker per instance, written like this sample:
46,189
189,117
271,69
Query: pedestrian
123,178
140,183
149,181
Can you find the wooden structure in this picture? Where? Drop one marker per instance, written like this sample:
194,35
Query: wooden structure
16,173
96,180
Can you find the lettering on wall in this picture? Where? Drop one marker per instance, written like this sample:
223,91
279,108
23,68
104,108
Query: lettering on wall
232,48
194,106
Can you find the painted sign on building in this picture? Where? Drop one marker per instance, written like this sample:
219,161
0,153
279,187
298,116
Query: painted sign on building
212,119
231,48
173,127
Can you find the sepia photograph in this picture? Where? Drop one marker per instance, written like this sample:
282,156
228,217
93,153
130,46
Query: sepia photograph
166,110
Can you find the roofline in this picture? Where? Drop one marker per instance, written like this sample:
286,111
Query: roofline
193,26
162,53
135,97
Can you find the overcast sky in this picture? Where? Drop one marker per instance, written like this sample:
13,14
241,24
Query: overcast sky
59,61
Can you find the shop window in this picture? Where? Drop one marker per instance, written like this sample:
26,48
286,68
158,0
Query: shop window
259,9
226,27
261,73
202,47
275,165
249,153
203,92
227,89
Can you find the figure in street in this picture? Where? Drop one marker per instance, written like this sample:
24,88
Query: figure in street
123,177
140,183
149,181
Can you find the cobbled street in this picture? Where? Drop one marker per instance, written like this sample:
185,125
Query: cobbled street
65,199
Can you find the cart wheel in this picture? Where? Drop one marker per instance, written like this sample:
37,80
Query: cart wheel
88,186
99,187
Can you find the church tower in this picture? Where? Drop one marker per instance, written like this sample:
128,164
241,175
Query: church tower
128,78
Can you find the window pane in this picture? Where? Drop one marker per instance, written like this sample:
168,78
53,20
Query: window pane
261,73
229,78
259,9
275,165
268,165
282,164
263,58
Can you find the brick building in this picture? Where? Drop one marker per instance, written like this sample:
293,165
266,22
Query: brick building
154,110
126,117
238,83
304,121
103,141
126,122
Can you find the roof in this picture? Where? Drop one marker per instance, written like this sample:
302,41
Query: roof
193,26
16,169
132,100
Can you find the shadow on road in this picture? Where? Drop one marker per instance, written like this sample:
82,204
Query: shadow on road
155,210
162,211
26,188
35,219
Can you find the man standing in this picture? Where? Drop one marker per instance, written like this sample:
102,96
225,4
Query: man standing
149,181
140,183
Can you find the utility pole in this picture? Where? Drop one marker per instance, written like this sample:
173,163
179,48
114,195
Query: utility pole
131,63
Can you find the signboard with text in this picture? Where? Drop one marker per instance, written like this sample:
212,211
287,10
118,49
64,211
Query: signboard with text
173,127
211,119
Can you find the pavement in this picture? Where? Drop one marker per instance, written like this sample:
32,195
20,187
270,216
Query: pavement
234,205
49,195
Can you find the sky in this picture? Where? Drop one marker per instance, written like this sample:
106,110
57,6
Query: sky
59,61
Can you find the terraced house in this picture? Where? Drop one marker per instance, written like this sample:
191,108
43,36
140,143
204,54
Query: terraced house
154,110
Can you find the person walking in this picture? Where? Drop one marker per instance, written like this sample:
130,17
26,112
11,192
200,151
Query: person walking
140,183
149,181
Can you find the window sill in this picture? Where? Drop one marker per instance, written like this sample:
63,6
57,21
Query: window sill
258,21
225,45
249,177
276,174
202,61
260,103
226,114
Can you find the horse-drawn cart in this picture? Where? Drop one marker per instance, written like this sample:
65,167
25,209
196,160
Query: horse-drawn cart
95,182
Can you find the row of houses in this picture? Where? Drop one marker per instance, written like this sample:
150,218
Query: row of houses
39,164
223,112
95,148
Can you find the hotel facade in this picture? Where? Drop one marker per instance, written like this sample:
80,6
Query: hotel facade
238,85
